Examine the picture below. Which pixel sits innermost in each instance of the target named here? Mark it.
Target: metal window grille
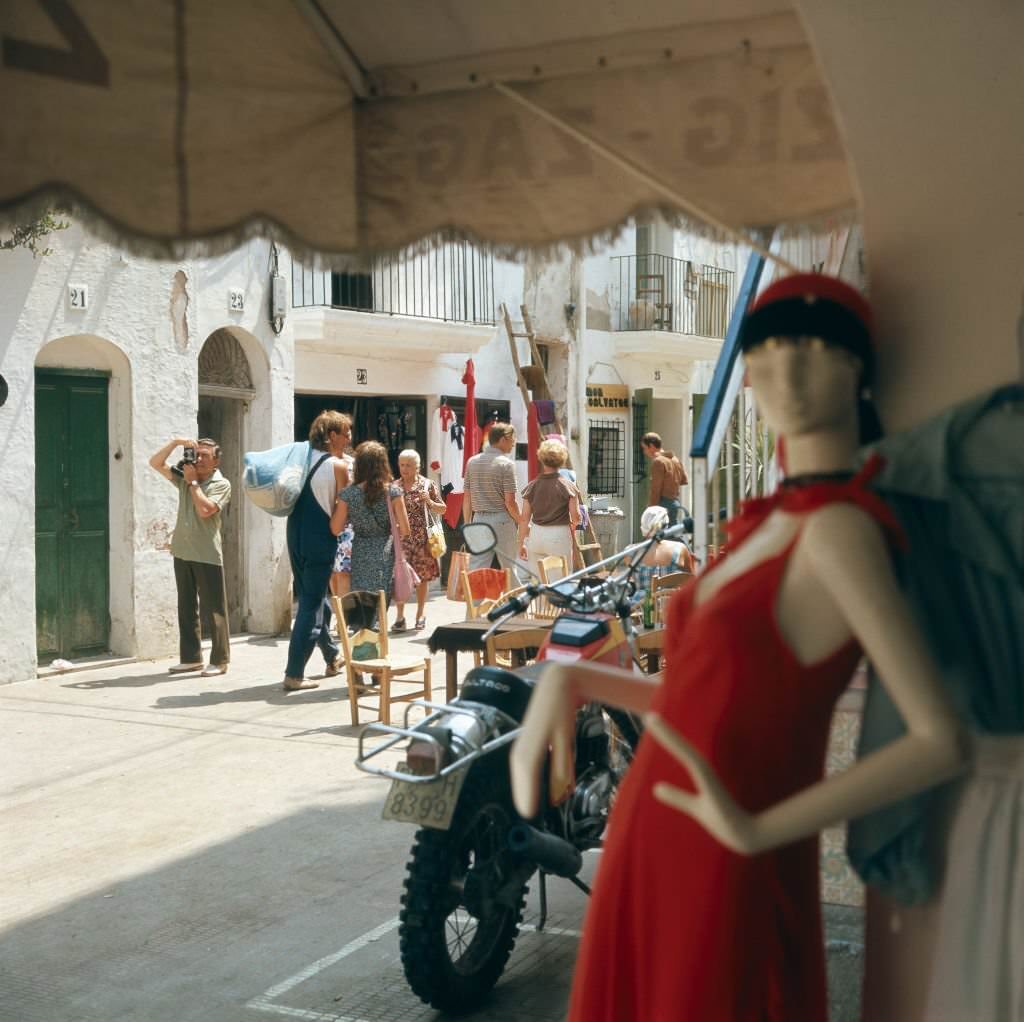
(606, 457)
(640, 427)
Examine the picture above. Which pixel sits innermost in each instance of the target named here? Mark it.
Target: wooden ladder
(541, 391)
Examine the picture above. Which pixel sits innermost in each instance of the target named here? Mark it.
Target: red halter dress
(679, 927)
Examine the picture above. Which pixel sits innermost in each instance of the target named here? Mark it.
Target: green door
(642, 400)
(72, 527)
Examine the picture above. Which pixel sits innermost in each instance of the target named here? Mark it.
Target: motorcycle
(466, 881)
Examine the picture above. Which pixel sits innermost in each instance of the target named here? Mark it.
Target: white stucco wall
(146, 323)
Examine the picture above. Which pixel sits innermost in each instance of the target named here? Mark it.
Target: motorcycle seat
(508, 691)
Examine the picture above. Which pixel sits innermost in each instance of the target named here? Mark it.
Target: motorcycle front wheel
(462, 904)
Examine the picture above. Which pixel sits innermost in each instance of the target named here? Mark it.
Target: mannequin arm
(550, 719)
(845, 550)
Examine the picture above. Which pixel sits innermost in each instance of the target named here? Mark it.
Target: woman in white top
(663, 557)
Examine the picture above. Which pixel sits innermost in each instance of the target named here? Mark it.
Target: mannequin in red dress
(705, 906)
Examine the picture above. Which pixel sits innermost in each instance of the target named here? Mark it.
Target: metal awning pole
(624, 163)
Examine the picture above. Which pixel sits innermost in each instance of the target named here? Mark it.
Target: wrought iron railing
(452, 282)
(656, 292)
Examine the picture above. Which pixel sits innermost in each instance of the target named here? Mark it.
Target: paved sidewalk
(179, 848)
(171, 838)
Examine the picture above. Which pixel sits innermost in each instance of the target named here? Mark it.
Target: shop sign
(607, 397)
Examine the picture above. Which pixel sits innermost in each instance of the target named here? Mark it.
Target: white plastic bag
(273, 479)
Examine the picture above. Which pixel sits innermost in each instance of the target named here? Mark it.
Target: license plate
(427, 804)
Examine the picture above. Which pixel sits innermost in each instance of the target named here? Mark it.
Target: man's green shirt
(195, 538)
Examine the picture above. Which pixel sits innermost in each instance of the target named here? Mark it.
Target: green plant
(33, 235)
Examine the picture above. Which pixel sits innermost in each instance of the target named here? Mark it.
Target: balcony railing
(656, 292)
(453, 282)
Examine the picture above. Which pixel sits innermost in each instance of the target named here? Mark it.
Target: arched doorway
(225, 392)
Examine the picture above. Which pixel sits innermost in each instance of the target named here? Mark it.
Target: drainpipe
(574, 386)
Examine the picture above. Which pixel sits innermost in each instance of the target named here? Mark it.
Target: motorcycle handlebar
(516, 605)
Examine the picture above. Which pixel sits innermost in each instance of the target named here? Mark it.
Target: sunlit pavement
(180, 848)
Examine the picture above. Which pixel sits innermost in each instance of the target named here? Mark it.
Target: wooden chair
(661, 590)
(507, 642)
(550, 569)
(385, 667)
(649, 646)
(475, 609)
(547, 566)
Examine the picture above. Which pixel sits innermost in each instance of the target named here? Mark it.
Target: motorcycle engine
(586, 811)
(588, 807)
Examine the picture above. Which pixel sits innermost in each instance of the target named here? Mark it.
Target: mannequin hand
(549, 723)
(711, 806)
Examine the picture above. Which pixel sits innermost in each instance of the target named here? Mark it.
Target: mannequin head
(809, 357)
(805, 385)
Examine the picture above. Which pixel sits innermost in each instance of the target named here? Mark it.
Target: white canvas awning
(365, 127)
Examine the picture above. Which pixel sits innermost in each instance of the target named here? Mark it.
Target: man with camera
(196, 547)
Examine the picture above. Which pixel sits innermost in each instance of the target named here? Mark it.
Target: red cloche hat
(813, 305)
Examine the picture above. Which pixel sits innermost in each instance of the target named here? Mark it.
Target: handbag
(405, 578)
(435, 533)
(458, 561)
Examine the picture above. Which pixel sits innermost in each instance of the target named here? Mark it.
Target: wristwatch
(195, 482)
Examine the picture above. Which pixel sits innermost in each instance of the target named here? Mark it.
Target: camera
(188, 458)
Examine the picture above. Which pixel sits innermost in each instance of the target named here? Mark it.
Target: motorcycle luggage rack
(472, 752)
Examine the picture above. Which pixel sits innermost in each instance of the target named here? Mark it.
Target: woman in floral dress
(420, 494)
(364, 504)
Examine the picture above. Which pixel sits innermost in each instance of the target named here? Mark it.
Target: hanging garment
(956, 484)
(450, 439)
(545, 411)
(393, 427)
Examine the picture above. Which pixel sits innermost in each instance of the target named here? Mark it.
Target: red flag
(533, 441)
(470, 443)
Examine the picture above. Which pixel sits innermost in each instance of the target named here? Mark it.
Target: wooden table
(468, 637)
